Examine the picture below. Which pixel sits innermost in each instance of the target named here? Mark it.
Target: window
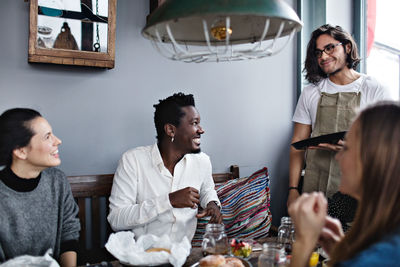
(383, 44)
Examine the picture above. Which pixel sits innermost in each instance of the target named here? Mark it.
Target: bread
(234, 262)
(212, 261)
(158, 250)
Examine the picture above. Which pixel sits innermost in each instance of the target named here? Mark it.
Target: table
(196, 255)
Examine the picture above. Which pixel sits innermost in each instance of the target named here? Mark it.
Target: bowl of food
(241, 247)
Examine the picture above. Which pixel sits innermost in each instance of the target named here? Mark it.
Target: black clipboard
(332, 138)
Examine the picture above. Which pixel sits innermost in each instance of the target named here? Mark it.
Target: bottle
(215, 240)
(286, 234)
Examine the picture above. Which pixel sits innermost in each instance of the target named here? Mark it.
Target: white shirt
(306, 110)
(140, 193)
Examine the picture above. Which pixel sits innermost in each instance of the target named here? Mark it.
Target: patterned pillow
(245, 207)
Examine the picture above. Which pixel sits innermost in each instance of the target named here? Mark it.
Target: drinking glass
(215, 240)
(273, 255)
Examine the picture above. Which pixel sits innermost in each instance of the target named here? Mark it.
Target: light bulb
(219, 30)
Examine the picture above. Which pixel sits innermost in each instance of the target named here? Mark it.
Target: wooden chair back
(91, 192)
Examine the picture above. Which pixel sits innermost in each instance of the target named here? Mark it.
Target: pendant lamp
(221, 30)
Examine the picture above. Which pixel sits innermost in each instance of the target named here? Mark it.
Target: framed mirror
(73, 32)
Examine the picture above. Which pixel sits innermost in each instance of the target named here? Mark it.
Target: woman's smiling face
(42, 150)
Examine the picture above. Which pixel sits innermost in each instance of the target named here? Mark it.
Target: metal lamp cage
(181, 31)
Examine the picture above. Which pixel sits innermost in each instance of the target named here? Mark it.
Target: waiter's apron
(335, 113)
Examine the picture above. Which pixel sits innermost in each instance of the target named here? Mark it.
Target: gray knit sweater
(32, 222)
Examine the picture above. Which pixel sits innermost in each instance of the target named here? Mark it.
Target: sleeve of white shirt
(380, 91)
(125, 212)
(302, 112)
(207, 190)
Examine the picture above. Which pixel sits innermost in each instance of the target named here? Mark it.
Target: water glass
(273, 255)
(286, 234)
(215, 240)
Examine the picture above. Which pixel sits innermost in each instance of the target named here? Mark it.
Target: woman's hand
(308, 213)
(331, 234)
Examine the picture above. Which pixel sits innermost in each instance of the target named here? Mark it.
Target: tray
(332, 138)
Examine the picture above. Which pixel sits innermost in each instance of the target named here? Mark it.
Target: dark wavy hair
(169, 110)
(378, 133)
(15, 131)
(314, 73)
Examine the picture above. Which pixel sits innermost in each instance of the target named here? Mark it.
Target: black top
(10, 179)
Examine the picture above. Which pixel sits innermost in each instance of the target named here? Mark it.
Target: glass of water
(273, 255)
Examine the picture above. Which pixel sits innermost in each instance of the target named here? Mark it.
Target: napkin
(32, 261)
(123, 246)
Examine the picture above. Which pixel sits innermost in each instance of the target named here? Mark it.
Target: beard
(335, 71)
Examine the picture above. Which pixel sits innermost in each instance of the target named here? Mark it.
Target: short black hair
(15, 131)
(169, 110)
(314, 73)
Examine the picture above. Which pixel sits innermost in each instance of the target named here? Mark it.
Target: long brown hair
(314, 73)
(378, 132)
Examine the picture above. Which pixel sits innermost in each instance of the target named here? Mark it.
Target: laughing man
(157, 189)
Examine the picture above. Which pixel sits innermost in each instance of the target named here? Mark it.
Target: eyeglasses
(328, 50)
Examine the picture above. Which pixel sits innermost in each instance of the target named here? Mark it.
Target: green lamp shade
(185, 19)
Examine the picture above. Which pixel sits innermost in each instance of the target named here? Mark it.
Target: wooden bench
(91, 192)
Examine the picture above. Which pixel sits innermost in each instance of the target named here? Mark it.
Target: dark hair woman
(370, 166)
(37, 209)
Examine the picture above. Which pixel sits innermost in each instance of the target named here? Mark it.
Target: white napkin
(123, 246)
(32, 261)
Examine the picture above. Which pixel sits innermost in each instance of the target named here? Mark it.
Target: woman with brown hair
(37, 209)
(370, 165)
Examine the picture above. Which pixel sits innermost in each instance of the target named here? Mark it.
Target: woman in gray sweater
(37, 209)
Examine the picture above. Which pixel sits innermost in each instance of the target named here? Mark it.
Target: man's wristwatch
(293, 187)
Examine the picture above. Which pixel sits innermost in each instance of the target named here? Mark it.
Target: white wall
(246, 107)
(340, 12)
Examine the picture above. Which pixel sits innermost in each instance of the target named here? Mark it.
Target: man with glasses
(326, 106)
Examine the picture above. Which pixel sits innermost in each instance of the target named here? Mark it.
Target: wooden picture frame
(53, 55)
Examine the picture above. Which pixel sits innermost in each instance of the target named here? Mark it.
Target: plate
(332, 138)
(245, 262)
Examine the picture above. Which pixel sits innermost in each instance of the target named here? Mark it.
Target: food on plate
(220, 261)
(233, 262)
(158, 250)
(212, 261)
(241, 248)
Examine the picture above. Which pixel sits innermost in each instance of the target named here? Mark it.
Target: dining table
(196, 254)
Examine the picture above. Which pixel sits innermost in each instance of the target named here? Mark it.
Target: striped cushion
(245, 207)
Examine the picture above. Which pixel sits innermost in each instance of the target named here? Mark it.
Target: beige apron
(334, 114)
